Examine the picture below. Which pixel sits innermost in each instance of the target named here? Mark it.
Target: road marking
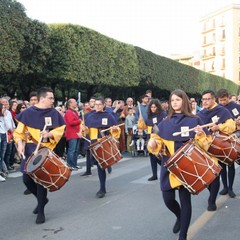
(205, 217)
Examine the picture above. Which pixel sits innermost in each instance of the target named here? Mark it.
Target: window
(223, 34)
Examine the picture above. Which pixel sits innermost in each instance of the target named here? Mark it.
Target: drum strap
(30, 137)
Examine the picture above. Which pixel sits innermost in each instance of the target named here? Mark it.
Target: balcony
(208, 56)
(208, 29)
(208, 43)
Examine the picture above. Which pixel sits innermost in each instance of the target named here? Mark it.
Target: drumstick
(86, 139)
(39, 142)
(104, 130)
(192, 129)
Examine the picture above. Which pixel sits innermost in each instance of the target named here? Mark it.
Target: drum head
(36, 160)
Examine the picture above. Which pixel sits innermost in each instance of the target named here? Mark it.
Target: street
(132, 209)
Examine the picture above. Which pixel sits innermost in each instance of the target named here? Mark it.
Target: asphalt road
(133, 209)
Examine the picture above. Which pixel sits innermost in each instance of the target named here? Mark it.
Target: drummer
(213, 112)
(155, 115)
(179, 118)
(32, 122)
(94, 123)
(234, 108)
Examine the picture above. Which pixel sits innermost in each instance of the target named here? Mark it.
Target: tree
(12, 24)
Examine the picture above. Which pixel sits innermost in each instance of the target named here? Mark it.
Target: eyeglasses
(205, 99)
(23, 107)
(100, 104)
(50, 98)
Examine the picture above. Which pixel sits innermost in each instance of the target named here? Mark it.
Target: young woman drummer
(95, 122)
(155, 115)
(179, 118)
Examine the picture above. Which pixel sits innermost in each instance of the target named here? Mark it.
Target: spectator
(5, 124)
(72, 130)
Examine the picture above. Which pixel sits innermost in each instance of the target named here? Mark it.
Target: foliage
(71, 58)
(169, 74)
(12, 24)
(89, 57)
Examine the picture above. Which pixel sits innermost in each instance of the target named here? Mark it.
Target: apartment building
(220, 50)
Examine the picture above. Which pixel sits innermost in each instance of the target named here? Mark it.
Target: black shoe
(212, 207)
(40, 218)
(86, 174)
(27, 192)
(153, 178)
(100, 194)
(177, 226)
(224, 191)
(35, 211)
(231, 194)
(109, 169)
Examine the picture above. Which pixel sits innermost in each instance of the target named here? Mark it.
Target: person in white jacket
(5, 125)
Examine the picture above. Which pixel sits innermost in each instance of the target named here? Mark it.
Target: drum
(193, 167)
(105, 151)
(47, 169)
(225, 147)
(237, 133)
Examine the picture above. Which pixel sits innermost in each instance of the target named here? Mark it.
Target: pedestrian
(179, 116)
(213, 112)
(96, 121)
(5, 125)
(155, 115)
(41, 121)
(228, 172)
(73, 122)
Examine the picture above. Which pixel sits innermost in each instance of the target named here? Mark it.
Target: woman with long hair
(155, 115)
(179, 118)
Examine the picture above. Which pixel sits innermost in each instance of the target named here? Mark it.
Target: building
(220, 50)
(189, 60)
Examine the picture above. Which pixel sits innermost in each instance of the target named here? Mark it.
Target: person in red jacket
(73, 122)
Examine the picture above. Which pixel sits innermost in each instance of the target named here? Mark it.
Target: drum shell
(52, 172)
(225, 147)
(105, 151)
(193, 167)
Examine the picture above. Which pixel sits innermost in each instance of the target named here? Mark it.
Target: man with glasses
(129, 105)
(212, 112)
(39, 122)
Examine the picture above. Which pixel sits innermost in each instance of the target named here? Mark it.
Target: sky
(164, 27)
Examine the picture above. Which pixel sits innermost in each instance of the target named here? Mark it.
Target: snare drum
(225, 147)
(105, 151)
(193, 167)
(47, 169)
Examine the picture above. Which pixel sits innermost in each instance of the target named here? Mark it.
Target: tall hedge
(168, 74)
(82, 55)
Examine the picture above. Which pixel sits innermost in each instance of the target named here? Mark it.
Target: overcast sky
(164, 27)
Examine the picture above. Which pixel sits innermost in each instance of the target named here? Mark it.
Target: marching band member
(179, 118)
(155, 115)
(95, 122)
(212, 112)
(33, 120)
(234, 109)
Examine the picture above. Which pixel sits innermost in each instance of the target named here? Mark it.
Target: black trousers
(182, 211)
(37, 190)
